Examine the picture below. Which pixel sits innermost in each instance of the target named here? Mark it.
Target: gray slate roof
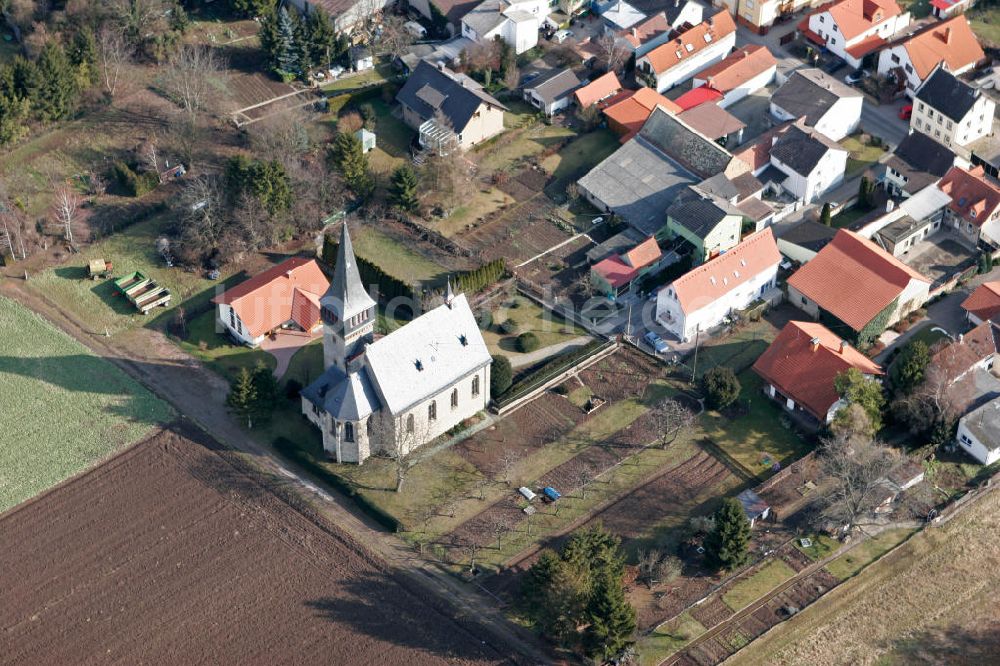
(694, 151)
(485, 17)
(802, 149)
(921, 160)
(555, 87)
(809, 234)
(810, 93)
(430, 88)
(945, 93)
(700, 212)
(346, 397)
(346, 296)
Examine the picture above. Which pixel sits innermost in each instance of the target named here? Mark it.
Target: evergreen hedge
(475, 280)
(389, 287)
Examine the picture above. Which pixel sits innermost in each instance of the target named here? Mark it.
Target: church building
(401, 391)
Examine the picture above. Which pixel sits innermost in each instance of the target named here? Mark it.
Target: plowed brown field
(171, 553)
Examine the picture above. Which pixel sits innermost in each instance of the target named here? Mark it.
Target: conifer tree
(612, 619)
(286, 52)
(58, 90)
(726, 545)
(266, 389)
(352, 162)
(403, 189)
(825, 215)
(242, 398)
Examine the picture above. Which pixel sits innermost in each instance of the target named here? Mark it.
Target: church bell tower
(348, 312)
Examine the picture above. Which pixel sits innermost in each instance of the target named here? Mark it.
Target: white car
(336, 71)
(656, 342)
(561, 36)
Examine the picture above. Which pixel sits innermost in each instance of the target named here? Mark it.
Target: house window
(833, 40)
(822, 19)
(909, 68)
(454, 398)
(475, 386)
(965, 439)
(409, 423)
(232, 318)
(895, 59)
(432, 411)
(920, 106)
(803, 299)
(348, 432)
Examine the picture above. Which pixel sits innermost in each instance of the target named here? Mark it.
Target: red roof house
(975, 202)
(802, 363)
(598, 90)
(859, 284)
(285, 295)
(742, 72)
(617, 272)
(627, 116)
(697, 97)
(983, 303)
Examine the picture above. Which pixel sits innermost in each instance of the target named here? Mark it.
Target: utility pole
(694, 365)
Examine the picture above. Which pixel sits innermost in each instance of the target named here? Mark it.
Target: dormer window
(419, 365)
(463, 340)
(689, 47)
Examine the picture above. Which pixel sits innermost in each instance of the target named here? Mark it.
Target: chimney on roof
(947, 35)
(890, 205)
(635, 31)
(961, 338)
(843, 346)
(440, 65)
(814, 344)
(677, 3)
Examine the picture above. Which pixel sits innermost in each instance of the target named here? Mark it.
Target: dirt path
(199, 394)
(541, 354)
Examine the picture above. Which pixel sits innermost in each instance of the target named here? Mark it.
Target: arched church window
(348, 432)
(475, 386)
(454, 398)
(432, 410)
(409, 423)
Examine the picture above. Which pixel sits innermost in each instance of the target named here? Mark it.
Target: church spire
(449, 294)
(346, 296)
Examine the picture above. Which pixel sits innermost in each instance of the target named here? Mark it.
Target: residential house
(975, 205)
(906, 225)
(917, 162)
(699, 300)
(471, 115)
(597, 91)
(628, 113)
(972, 351)
(743, 72)
(979, 433)
(710, 225)
(640, 179)
(857, 288)
(804, 241)
(853, 29)
(284, 297)
(618, 15)
(552, 93)
(744, 192)
(716, 123)
(618, 273)
(953, 112)
(394, 394)
(826, 103)
(688, 53)
(943, 9)
(449, 13)
(645, 36)
(516, 22)
(801, 365)
(345, 14)
(912, 59)
(761, 15)
(983, 304)
(811, 164)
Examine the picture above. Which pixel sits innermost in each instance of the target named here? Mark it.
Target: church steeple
(347, 310)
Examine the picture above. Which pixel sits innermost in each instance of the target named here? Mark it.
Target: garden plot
(63, 407)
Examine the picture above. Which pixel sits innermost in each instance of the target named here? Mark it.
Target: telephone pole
(694, 365)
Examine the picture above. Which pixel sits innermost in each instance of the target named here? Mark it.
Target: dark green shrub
(527, 342)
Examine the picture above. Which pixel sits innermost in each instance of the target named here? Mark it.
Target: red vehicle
(906, 112)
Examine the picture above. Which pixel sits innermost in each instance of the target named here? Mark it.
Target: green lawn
(668, 638)
(867, 552)
(861, 155)
(394, 257)
(392, 138)
(215, 350)
(518, 142)
(927, 335)
(98, 305)
(985, 22)
(550, 329)
(580, 156)
(63, 407)
(738, 350)
(747, 591)
(382, 72)
(822, 545)
(759, 438)
(477, 205)
(848, 216)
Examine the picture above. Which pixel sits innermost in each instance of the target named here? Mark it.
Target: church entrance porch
(282, 344)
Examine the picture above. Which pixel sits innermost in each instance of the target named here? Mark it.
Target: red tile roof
(599, 89)
(711, 281)
(697, 97)
(620, 270)
(805, 371)
(855, 17)
(651, 28)
(738, 67)
(853, 279)
(973, 197)
(984, 302)
(715, 28)
(631, 112)
(758, 153)
(866, 46)
(951, 41)
(289, 291)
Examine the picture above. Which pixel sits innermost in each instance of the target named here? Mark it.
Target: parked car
(854, 78)
(528, 78)
(656, 342)
(418, 31)
(561, 36)
(336, 71)
(906, 112)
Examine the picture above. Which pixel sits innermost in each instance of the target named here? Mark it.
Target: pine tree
(352, 162)
(58, 91)
(403, 189)
(266, 389)
(726, 545)
(14, 109)
(321, 38)
(825, 216)
(269, 37)
(286, 52)
(82, 55)
(242, 398)
(612, 619)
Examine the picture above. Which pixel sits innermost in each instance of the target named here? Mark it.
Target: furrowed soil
(931, 601)
(172, 553)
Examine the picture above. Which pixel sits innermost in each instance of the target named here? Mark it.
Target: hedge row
(389, 287)
(289, 450)
(548, 371)
(135, 184)
(471, 282)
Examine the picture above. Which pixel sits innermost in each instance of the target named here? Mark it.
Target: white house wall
(827, 174)
(239, 331)
(688, 67)
(747, 88)
(971, 444)
(977, 123)
(822, 24)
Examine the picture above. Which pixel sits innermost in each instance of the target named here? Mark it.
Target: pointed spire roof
(346, 296)
(449, 295)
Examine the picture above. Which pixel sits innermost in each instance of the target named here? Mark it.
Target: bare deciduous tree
(584, 477)
(193, 78)
(855, 467)
(114, 54)
(395, 39)
(149, 154)
(670, 418)
(67, 202)
(499, 525)
(507, 462)
(611, 52)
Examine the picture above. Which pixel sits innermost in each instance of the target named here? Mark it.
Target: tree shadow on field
(950, 645)
(378, 606)
(86, 374)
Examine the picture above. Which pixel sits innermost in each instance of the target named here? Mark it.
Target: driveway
(883, 121)
(284, 346)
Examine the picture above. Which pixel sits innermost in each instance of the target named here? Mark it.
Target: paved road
(199, 395)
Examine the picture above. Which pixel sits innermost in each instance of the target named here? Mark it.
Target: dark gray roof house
(801, 149)
(700, 212)
(919, 161)
(553, 92)
(810, 93)
(943, 92)
(430, 89)
(696, 152)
